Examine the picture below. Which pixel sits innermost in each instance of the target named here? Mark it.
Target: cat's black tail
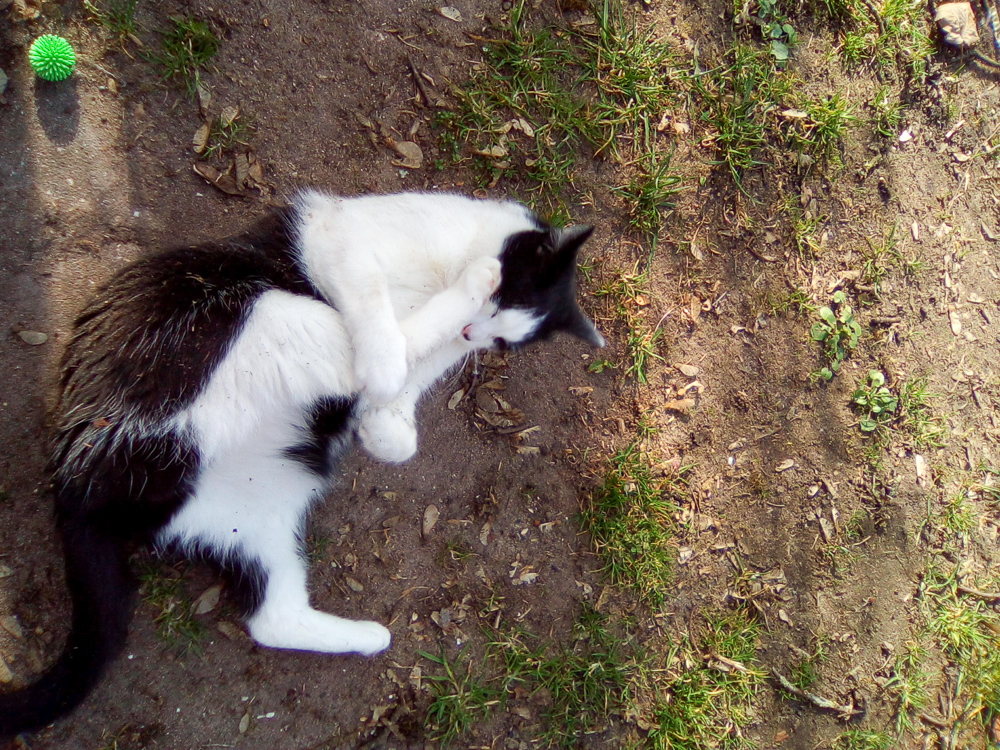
(101, 589)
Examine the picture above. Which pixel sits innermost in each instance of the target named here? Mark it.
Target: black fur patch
(329, 423)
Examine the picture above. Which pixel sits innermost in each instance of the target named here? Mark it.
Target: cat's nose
(466, 331)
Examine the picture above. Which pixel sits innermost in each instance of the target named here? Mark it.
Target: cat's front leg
(380, 361)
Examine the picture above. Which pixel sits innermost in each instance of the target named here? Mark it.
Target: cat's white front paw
(381, 375)
(387, 435)
(482, 278)
(370, 637)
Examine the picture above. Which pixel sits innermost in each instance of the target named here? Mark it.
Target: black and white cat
(207, 392)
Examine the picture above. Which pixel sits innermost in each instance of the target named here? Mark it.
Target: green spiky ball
(52, 57)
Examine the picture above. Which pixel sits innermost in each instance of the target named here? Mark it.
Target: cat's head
(537, 292)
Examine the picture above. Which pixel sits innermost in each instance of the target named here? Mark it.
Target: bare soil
(96, 170)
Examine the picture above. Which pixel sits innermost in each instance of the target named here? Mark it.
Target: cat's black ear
(583, 328)
(570, 239)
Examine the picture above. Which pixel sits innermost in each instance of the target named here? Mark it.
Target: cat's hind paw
(482, 278)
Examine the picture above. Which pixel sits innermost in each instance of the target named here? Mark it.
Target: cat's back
(155, 331)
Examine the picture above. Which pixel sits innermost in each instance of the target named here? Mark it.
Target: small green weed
(864, 739)
(774, 25)
(629, 520)
(839, 333)
(819, 133)
(227, 132)
(175, 622)
(460, 697)
(600, 365)
(887, 111)
(875, 402)
(806, 672)
(916, 414)
(909, 684)
(188, 46)
(626, 289)
(117, 16)
(650, 194)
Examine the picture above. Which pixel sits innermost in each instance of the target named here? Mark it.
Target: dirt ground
(96, 170)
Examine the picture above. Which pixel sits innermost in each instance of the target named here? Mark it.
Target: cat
(207, 391)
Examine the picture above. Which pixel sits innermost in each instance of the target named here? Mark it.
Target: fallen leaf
(200, 140)
(689, 371)
(456, 397)
(681, 405)
(33, 338)
(11, 625)
(783, 616)
(228, 116)
(6, 676)
(208, 601)
(785, 465)
(204, 98)
(222, 180)
(494, 152)
(354, 584)
(484, 534)
(413, 157)
(245, 723)
(431, 515)
(580, 390)
(956, 322)
(452, 14)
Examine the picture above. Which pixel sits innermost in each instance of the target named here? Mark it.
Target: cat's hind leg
(247, 510)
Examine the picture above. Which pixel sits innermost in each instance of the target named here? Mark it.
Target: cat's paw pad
(387, 435)
(381, 375)
(482, 278)
(370, 638)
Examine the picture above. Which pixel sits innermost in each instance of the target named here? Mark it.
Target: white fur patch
(512, 325)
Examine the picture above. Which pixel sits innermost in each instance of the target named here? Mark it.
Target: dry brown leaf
(412, 156)
(451, 13)
(431, 516)
(208, 601)
(456, 398)
(228, 116)
(681, 405)
(785, 465)
(222, 180)
(200, 140)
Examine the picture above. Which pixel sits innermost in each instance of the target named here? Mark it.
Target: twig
(845, 711)
(419, 82)
(988, 595)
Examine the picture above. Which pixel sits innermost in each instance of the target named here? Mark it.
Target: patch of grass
(839, 334)
(740, 100)
(187, 48)
(629, 520)
(909, 685)
(585, 683)
(864, 739)
(166, 593)
(900, 35)
(806, 672)
(887, 111)
(627, 290)
(542, 92)
(227, 132)
(795, 301)
(460, 697)
(707, 705)
(916, 414)
(117, 16)
(650, 194)
(819, 133)
(964, 626)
